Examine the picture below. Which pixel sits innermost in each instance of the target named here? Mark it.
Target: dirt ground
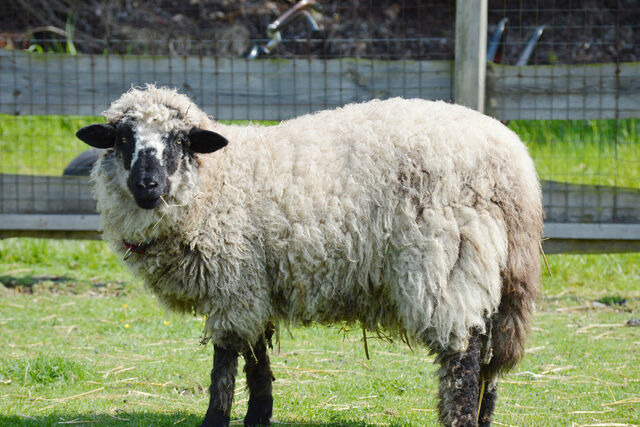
(585, 31)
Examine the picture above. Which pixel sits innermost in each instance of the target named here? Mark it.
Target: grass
(82, 341)
(599, 152)
(40, 145)
(602, 152)
(44, 145)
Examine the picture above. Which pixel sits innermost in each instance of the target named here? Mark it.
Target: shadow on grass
(118, 419)
(144, 419)
(60, 284)
(26, 283)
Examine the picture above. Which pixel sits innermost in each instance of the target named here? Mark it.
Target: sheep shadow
(147, 419)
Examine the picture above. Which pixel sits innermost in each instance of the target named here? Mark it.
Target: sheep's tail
(510, 326)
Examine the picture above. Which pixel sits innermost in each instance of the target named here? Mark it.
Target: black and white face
(150, 157)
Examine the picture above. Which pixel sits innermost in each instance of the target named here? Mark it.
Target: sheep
(423, 218)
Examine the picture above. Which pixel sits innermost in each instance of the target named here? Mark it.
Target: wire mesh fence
(575, 101)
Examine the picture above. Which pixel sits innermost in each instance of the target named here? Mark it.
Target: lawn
(602, 152)
(83, 342)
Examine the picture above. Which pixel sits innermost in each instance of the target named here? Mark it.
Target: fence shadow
(147, 419)
(26, 283)
(58, 284)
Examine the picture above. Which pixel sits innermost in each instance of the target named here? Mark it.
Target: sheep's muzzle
(147, 180)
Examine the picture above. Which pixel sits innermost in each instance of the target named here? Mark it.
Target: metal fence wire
(575, 104)
(573, 98)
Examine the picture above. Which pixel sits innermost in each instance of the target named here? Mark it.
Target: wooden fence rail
(277, 89)
(563, 92)
(228, 88)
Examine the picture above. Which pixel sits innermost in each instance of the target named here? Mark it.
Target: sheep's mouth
(148, 202)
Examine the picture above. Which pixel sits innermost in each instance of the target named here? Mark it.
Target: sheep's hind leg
(259, 382)
(489, 398)
(223, 379)
(459, 385)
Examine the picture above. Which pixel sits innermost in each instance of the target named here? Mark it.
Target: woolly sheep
(420, 217)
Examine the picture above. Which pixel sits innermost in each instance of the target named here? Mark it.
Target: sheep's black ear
(98, 135)
(206, 141)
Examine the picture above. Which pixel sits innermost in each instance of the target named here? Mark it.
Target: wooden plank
(590, 238)
(228, 88)
(274, 89)
(559, 238)
(557, 230)
(470, 53)
(52, 234)
(589, 246)
(563, 92)
(50, 222)
(33, 194)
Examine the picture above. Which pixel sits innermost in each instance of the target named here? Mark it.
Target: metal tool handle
(289, 16)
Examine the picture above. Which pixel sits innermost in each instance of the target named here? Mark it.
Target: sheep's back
(389, 212)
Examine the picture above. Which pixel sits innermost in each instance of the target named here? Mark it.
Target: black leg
(223, 378)
(459, 387)
(259, 382)
(488, 403)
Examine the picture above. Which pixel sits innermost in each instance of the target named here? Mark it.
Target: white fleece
(392, 213)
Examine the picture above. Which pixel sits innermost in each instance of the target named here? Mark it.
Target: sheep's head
(151, 139)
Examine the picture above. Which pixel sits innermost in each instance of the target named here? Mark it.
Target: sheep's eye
(123, 140)
(178, 140)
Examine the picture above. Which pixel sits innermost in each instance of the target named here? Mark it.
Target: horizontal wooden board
(276, 89)
(54, 226)
(559, 238)
(563, 92)
(51, 234)
(590, 238)
(227, 88)
(566, 231)
(589, 246)
(51, 222)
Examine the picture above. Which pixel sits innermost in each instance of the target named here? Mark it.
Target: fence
(578, 118)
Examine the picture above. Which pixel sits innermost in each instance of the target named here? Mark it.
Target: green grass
(599, 152)
(603, 152)
(40, 145)
(44, 145)
(81, 340)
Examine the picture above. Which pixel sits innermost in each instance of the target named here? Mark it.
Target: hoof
(215, 420)
(257, 422)
(259, 413)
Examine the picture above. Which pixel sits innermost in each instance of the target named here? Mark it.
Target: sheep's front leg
(459, 385)
(223, 379)
(259, 382)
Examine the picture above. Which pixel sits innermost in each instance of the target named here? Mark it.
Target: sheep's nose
(147, 184)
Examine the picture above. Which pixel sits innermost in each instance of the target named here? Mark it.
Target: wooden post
(471, 53)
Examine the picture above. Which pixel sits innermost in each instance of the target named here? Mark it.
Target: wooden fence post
(470, 53)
